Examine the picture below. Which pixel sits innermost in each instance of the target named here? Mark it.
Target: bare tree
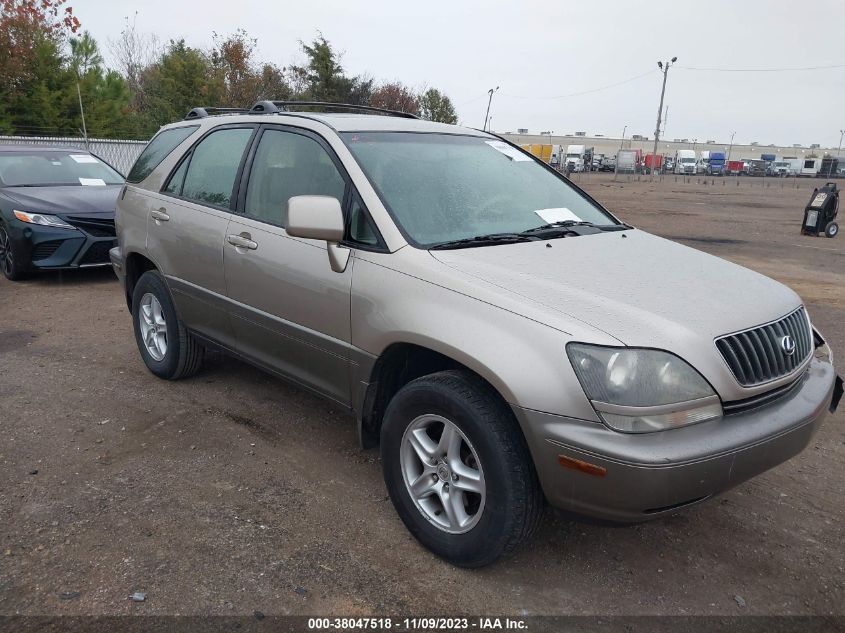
(133, 52)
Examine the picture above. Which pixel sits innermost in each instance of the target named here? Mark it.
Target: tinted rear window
(157, 150)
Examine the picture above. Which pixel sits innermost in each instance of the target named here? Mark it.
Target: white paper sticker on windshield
(84, 158)
(561, 214)
(511, 152)
(92, 182)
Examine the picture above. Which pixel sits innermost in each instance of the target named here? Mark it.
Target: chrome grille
(756, 356)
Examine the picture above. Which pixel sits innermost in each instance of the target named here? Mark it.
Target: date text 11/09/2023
(418, 624)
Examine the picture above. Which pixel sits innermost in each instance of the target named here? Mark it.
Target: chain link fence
(120, 154)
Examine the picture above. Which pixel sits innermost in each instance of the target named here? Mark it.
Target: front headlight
(43, 219)
(643, 390)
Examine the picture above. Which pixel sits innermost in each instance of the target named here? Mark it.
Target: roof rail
(272, 107)
(201, 113)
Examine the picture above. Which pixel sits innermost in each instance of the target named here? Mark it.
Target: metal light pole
(82, 112)
(838, 154)
(489, 101)
(665, 68)
(622, 142)
(731, 146)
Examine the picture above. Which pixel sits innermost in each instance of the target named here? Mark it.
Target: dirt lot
(233, 491)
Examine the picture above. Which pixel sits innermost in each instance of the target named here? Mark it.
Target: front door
(290, 311)
(187, 229)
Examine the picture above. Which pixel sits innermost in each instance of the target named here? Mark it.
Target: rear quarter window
(157, 150)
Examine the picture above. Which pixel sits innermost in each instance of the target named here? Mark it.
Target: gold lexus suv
(503, 338)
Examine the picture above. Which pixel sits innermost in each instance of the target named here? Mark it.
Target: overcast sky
(539, 50)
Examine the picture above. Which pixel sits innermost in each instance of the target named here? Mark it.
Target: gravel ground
(233, 491)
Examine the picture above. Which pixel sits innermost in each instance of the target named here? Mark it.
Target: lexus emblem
(787, 344)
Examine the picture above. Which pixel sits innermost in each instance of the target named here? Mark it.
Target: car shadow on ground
(76, 276)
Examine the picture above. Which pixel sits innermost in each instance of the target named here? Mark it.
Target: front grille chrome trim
(96, 227)
(764, 399)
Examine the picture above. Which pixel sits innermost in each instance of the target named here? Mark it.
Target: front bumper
(650, 474)
(117, 264)
(50, 248)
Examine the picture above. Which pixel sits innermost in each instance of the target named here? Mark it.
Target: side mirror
(315, 218)
(319, 218)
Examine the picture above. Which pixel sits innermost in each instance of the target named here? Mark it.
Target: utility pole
(622, 142)
(489, 101)
(665, 69)
(730, 147)
(838, 154)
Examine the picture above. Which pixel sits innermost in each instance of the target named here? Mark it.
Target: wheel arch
(135, 264)
(401, 362)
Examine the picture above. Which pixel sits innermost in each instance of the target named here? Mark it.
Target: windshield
(443, 187)
(52, 168)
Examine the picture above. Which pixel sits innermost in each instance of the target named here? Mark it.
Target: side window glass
(174, 185)
(157, 150)
(360, 226)
(214, 166)
(287, 164)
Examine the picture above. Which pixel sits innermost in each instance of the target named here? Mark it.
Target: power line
(763, 70)
(583, 92)
(481, 96)
(572, 94)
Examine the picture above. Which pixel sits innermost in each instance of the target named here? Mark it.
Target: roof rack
(275, 107)
(201, 113)
(272, 107)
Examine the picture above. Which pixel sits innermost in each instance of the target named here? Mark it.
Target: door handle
(159, 215)
(242, 241)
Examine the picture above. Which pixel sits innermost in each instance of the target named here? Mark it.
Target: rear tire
(832, 229)
(167, 348)
(476, 502)
(11, 269)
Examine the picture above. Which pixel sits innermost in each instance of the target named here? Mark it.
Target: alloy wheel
(442, 473)
(153, 326)
(6, 259)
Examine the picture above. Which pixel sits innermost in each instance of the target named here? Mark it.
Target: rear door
(187, 228)
(290, 311)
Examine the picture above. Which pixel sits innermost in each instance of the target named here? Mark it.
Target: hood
(641, 289)
(75, 200)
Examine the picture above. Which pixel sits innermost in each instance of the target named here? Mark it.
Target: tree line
(51, 71)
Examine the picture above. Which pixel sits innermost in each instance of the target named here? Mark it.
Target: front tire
(832, 229)
(11, 269)
(167, 348)
(458, 470)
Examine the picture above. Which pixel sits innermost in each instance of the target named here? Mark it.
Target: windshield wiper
(565, 224)
(483, 240)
